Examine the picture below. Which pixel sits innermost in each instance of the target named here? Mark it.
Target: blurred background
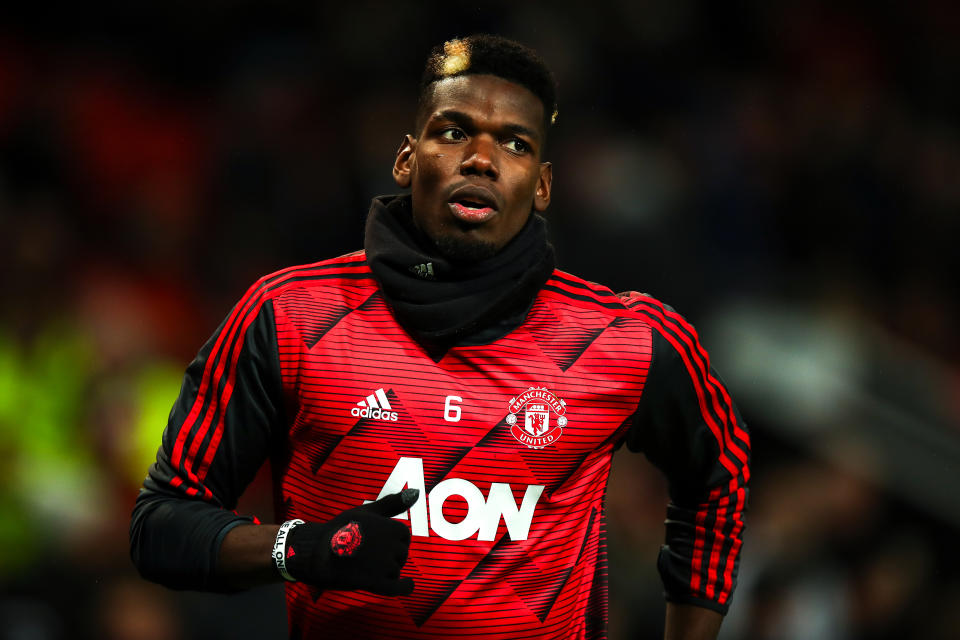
(786, 174)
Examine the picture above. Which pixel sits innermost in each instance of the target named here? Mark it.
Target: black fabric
(669, 428)
(175, 541)
(441, 302)
(370, 560)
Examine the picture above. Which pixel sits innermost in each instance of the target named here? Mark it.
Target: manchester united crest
(346, 540)
(542, 419)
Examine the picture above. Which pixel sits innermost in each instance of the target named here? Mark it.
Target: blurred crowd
(785, 174)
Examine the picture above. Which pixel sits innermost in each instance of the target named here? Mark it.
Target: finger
(393, 504)
(401, 587)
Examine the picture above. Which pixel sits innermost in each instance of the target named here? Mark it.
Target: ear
(404, 164)
(541, 199)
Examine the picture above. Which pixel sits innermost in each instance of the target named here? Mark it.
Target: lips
(473, 204)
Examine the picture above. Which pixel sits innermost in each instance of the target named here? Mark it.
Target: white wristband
(280, 548)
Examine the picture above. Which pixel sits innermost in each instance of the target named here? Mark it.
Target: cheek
(525, 188)
(429, 170)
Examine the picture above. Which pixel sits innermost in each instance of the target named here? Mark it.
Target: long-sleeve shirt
(510, 442)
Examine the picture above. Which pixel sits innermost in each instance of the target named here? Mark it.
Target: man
(441, 409)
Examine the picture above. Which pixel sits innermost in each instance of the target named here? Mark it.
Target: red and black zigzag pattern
(406, 438)
(584, 292)
(507, 562)
(582, 342)
(552, 473)
(595, 616)
(562, 343)
(199, 436)
(312, 314)
(719, 522)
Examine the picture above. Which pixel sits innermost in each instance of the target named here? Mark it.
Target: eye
(452, 133)
(517, 145)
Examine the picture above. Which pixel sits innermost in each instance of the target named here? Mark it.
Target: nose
(479, 158)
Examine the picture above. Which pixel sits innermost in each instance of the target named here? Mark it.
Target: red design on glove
(346, 540)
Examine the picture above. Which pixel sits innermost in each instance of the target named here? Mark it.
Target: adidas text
(375, 406)
(374, 414)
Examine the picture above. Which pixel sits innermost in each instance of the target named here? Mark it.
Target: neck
(439, 300)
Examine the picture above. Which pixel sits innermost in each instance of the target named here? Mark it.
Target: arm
(227, 418)
(689, 622)
(361, 548)
(688, 426)
(246, 556)
(223, 424)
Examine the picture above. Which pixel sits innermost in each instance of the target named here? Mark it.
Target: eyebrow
(465, 120)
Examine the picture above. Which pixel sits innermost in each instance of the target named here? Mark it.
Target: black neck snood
(440, 302)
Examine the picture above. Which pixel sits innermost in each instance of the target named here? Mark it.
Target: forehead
(488, 97)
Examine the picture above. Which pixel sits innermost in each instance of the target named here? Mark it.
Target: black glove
(362, 548)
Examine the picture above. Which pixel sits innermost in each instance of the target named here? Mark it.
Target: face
(474, 169)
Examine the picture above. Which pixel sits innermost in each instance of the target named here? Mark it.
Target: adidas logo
(424, 270)
(375, 406)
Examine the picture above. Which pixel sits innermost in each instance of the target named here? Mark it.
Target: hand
(361, 549)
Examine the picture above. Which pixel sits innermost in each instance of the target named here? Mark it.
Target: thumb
(393, 504)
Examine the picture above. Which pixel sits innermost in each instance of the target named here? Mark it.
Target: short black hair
(494, 55)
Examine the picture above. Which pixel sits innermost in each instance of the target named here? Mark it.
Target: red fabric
(339, 344)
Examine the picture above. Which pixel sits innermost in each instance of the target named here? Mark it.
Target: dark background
(786, 174)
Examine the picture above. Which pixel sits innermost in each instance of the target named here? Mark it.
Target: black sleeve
(688, 426)
(219, 433)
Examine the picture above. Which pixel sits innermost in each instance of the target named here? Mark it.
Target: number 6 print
(451, 412)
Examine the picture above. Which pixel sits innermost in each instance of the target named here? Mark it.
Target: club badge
(346, 540)
(536, 429)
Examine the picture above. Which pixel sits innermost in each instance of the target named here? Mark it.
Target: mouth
(473, 204)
